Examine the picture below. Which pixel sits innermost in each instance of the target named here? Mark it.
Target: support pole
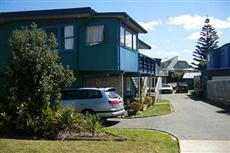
(139, 86)
(122, 85)
(150, 85)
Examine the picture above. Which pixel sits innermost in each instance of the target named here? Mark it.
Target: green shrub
(135, 107)
(34, 79)
(69, 121)
(148, 101)
(92, 124)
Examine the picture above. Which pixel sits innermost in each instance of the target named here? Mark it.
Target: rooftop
(70, 13)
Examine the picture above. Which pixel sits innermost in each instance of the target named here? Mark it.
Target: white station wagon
(104, 102)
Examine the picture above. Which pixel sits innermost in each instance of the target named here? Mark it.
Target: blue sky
(173, 25)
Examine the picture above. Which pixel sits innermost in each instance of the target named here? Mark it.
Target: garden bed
(145, 141)
(161, 107)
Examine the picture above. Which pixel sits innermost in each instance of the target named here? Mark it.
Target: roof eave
(143, 45)
(126, 19)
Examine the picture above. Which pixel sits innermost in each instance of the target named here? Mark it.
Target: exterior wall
(93, 58)
(99, 57)
(104, 81)
(218, 91)
(219, 58)
(128, 60)
(5, 34)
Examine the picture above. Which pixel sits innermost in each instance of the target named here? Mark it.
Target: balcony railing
(146, 64)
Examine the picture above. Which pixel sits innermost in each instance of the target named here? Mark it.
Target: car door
(72, 98)
(92, 99)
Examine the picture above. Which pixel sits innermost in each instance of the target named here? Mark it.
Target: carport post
(122, 85)
(139, 86)
(150, 85)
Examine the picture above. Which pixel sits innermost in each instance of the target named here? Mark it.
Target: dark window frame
(61, 39)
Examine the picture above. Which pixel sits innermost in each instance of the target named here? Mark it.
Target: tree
(175, 76)
(34, 79)
(207, 42)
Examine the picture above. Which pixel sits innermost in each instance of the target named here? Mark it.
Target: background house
(101, 48)
(174, 64)
(218, 85)
(177, 68)
(188, 78)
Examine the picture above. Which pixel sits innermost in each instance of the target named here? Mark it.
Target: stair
(135, 81)
(144, 84)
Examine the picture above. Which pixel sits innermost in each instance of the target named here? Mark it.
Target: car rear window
(112, 94)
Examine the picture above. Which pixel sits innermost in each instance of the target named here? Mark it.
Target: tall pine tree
(207, 42)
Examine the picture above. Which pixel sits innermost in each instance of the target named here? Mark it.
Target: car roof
(101, 89)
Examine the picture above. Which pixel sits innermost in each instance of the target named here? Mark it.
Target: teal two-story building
(101, 48)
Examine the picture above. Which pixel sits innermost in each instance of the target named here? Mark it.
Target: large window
(95, 34)
(128, 39)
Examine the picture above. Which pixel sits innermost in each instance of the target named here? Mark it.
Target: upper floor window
(128, 39)
(134, 42)
(122, 36)
(64, 36)
(95, 34)
(68, 37)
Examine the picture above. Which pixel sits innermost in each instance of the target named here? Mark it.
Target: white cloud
(190, 22)
(193, 36)
(196, 35)
(150, 25)
(228, 19)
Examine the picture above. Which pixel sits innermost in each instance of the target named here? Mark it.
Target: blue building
(219, 62)
(218, 85)
(101, 48)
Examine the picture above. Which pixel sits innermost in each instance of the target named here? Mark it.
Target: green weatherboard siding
(103, 56)
(5, 34)
(100, 57)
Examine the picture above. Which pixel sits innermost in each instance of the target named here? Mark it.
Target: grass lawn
(161, 107)
(145, 141)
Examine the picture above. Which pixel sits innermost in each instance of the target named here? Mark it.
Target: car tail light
(114, 102)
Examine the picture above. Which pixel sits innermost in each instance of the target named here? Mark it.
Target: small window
(122, 36)
(71, 95)
(95, 34)
(128, 39)
(90, 94)
(68, 37)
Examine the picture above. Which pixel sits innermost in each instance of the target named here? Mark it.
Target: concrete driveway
(191, 120)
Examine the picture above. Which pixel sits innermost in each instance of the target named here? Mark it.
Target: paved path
(192, 120)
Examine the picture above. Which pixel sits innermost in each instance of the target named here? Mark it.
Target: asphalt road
(191, 120)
